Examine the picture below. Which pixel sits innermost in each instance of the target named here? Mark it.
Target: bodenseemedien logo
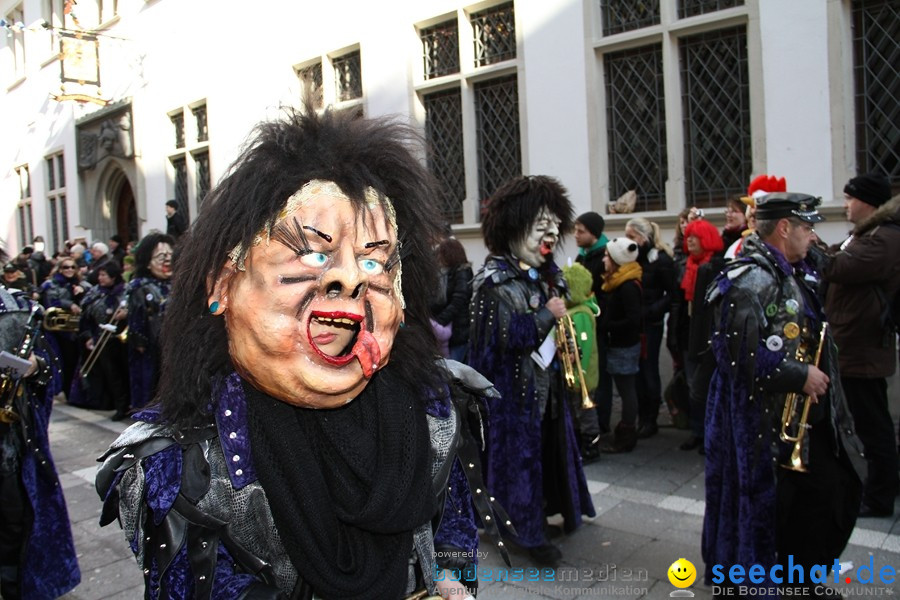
(682, 575)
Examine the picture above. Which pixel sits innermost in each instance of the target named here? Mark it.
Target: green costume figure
(582, 307)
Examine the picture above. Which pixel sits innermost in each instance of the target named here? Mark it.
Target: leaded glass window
(716, 113)
(178, 123)
(201, 164)
(497, 124)
(626, 15)
(179, 165)
(636, 125)
(56, 199)
(495, 34)
(200, 119)
(63, 218)
(876, 70)
(348, 76)
(54, 224)
(690, 8)
(51, 174)
(440, 49)
(311, 82)
(444, 138)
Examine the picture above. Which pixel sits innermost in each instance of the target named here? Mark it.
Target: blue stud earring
(214, 307)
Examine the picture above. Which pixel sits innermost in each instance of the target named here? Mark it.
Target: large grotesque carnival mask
(539, 241)
(312, 308)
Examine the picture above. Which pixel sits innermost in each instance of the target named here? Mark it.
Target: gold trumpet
(567, 347)
(108, 330)
(795, 416)
(60, 319)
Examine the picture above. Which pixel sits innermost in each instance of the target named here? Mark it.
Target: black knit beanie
(871, 188)
(593, 222)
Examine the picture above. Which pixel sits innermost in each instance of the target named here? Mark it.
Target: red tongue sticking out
(546, 249)
(367, 351)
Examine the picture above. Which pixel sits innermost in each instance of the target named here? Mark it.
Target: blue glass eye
(314, 259)
(371, 266)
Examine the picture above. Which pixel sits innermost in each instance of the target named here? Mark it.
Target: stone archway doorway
(126, 213)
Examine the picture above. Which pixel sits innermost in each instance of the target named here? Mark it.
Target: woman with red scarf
(702, 242)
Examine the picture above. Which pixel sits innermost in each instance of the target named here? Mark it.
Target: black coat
(658, 284)
(619, 323)
(593, 262)
(176, 224)
(455, 307)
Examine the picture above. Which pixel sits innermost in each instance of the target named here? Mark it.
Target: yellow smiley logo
(682, 573)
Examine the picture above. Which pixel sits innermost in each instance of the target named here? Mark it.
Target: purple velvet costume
(526, 453)
(758, 299)
(49, 567)
(146, 307)
(159, 482)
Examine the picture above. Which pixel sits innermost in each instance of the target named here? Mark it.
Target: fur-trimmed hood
(886, 213)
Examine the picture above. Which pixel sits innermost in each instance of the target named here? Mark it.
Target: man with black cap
(591, 247)
(14, 279)
(863, 276)
(768, 327)
(176, 224)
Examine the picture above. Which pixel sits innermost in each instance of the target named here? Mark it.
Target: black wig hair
(511, 210)
(278, 159)
(143, 254)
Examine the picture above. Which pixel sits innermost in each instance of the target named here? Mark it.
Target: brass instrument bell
(60, 319)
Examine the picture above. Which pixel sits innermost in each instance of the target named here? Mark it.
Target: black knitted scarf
(346, 486)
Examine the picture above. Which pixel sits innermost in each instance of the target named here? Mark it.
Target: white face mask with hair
(538, 243)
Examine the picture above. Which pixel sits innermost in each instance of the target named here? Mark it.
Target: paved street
(649, 505)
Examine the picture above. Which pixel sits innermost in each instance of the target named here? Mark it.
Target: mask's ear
(218, 289)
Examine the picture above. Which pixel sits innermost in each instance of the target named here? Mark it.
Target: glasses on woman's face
(161, 257)
(67, 268)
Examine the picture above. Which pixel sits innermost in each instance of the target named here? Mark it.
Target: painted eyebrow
(322, 235)
(376, 244)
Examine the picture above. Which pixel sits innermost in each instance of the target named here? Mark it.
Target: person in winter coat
(620, 325)
(863, 276)
(658, 287)
(701, 242)
(452, 311)
(591, 243)
(581, 306)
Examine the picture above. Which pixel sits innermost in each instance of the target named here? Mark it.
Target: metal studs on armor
(239, 472)
(227, 412)
(235, 458)
(232, 435)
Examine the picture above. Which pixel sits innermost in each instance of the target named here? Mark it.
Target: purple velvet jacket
(49, 566)
(758, 298)
(144, 468)
(146, 306)
(508, 322)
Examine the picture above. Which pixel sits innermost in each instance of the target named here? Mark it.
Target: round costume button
(774, 343)
(771, 310)
(791, 330)
(792, 306)
(533, 274)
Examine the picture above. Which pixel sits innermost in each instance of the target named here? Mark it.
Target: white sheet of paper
(19, 366)
(543, 356)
